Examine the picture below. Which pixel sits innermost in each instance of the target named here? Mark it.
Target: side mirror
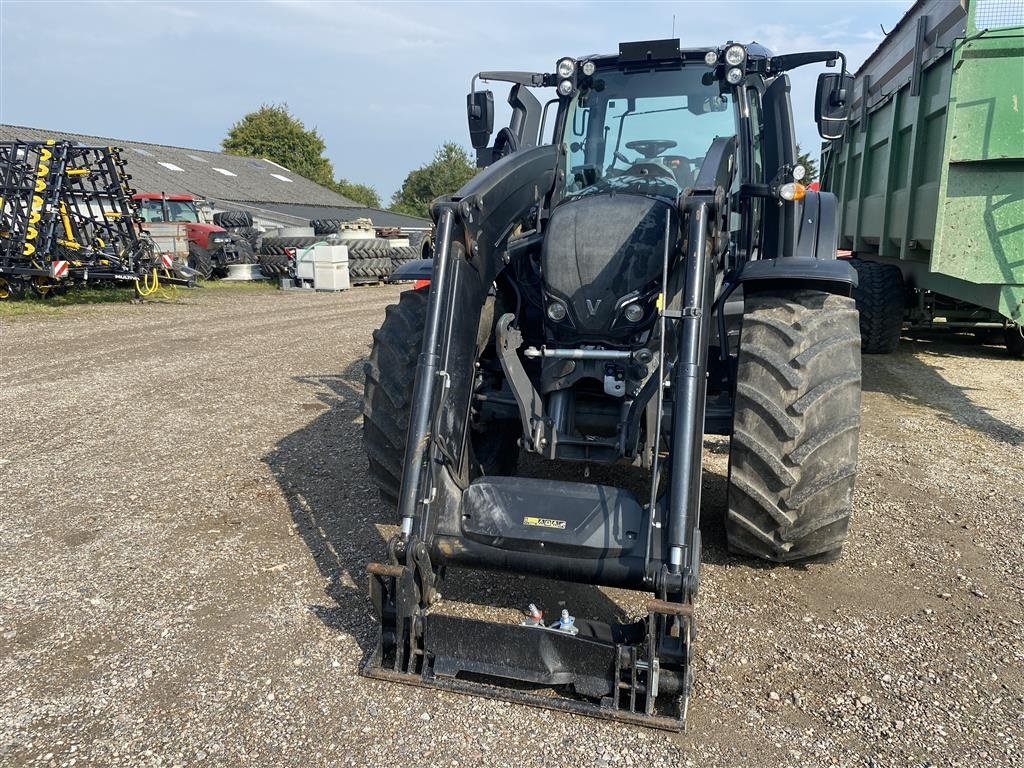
(480, 111)
(832, 104)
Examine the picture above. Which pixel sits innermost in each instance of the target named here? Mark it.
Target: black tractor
(637, 265)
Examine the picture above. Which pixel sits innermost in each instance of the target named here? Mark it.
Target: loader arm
(637, 672)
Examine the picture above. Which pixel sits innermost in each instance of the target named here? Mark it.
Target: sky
(383, 82)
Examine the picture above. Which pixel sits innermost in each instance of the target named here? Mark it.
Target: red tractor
(177, 225)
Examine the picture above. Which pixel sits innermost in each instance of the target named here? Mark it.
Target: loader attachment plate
(636, 673)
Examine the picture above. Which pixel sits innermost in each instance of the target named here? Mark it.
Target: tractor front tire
(390, 373)
(200, 260)
(796, 424)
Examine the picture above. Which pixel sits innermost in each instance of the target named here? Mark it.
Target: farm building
(273, 194)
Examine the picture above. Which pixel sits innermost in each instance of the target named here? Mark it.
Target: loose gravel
(186, 522)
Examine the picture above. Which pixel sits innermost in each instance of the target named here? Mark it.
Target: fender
(417, 269)
(818, 233)
(814, 262)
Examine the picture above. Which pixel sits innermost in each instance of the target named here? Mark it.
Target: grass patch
(238, 286)
(33, 305)
(36, 305)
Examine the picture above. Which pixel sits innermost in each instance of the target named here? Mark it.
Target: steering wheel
(505, 143)
(650, 148)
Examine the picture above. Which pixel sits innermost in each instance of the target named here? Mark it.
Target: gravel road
(186, 522)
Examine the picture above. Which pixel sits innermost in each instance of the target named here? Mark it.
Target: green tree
(809, 163)
(361, 193)
(274, 133)
(449, 170)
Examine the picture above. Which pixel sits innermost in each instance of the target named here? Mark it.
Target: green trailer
(930, 174)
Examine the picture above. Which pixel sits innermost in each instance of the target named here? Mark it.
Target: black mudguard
(818, 234)
(832, 275)
(813, 263)
(417, 269)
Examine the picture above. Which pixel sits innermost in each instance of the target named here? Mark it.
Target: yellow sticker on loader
(544, 522)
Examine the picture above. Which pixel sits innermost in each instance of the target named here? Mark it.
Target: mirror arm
(788, 61)
(530, 79)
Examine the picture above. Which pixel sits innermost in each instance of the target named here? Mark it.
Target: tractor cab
(158, 207)
(178, 226)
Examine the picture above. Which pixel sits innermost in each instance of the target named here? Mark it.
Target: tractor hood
(207, 235)
(601, 253)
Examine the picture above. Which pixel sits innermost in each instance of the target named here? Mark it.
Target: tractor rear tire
(390, 373)
(421, 241)
(880, 301)
(796, 423)
(243, 250)
(200, 260)
(400, 255)
(228, 219)
(325, 226)
(272, 264)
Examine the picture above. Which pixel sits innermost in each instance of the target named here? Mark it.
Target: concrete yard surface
(187, 519)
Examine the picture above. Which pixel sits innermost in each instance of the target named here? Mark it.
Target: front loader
(636, 266)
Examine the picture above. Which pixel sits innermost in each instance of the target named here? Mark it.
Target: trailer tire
(1014, 341)
(390, 374)
(200, 260)
(880, 301)
(796, 423)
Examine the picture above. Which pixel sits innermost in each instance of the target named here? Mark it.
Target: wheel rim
(42, 285)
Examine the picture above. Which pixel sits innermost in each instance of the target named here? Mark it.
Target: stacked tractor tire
(371, 259)
(67, 217)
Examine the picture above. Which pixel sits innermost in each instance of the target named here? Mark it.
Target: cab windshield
(177, 210)
(645, 132)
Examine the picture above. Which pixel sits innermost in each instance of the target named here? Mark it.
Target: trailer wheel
(200, 260)
(390, 373)
(793, 453)
(880, 301)
(1014, 340)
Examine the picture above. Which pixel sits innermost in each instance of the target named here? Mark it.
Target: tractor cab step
(581, 520)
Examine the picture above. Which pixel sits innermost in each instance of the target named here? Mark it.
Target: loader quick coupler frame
(638, 672)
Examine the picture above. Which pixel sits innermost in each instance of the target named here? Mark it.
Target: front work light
(735, 55)
(564, 87)
(588, 68)
(711, 58)
(565, 68)
(734, 76)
